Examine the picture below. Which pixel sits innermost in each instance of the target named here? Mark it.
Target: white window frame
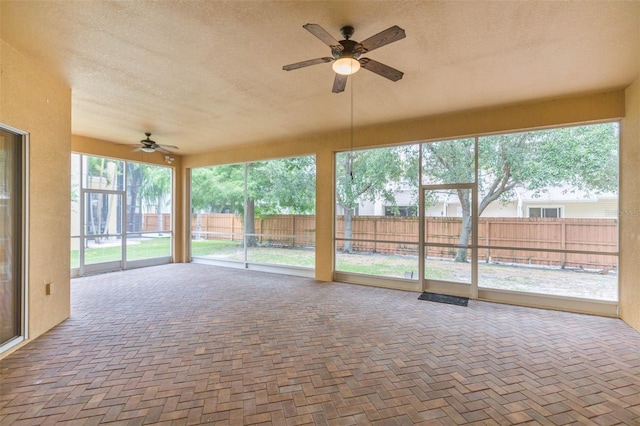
(559, 209)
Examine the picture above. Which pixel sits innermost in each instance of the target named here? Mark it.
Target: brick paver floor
(195, 344)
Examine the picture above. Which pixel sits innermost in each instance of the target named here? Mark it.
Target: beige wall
(630, 209)
(35, 102)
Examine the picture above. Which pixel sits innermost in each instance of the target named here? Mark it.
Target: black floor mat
(443, 298)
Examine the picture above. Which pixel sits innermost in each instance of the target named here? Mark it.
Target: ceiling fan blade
(306, 63)
(161, 149)
(383, 38)
(168, 146)
(138, 149)
(381, 69)
(323, 35)
(339, 83)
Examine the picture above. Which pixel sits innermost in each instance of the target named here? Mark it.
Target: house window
(400, 211)
(545, 212)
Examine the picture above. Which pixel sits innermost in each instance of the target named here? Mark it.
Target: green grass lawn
(372, 264)
(216, 248)
(137, 249)
(233, 250)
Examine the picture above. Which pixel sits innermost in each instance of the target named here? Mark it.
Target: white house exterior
(554, 202)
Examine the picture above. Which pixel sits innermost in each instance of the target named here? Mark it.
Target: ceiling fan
(346, 54)
(147, 145)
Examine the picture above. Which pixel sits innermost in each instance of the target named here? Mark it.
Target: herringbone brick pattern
(192, 344)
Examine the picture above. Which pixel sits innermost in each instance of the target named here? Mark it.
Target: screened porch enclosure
(530, 215)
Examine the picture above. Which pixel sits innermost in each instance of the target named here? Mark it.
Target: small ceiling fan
(147, 145)
(346, 54)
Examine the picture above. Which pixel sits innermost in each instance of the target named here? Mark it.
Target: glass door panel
(148, 246)
(148, 212)
(447, 235)
(102, 227)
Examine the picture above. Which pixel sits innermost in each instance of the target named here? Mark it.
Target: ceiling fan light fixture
(346, 66)
(147, 149)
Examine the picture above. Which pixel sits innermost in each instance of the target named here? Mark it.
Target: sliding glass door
(121, 214)
(12, 294)
(102, 248)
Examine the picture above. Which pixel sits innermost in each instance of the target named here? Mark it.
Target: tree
(369, 175)
(134, 180)
(584, 157)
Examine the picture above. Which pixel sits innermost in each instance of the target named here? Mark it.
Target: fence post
(293, 230)
(487, 241)
(564, 243)
(375, 235)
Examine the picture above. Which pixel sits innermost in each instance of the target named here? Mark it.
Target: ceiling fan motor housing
(147, 141)
(350, 50)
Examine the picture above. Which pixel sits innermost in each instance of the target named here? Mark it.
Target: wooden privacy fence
(276, 230)
(593, 235)
(523, 237)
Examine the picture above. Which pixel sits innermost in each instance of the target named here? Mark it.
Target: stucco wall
(630, 209)
(35, 102)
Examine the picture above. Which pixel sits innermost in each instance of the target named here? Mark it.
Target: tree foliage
(214, 189)
(285, 186)
(154, 189)
(155, 185)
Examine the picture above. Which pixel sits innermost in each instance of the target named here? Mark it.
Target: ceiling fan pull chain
(351, 136)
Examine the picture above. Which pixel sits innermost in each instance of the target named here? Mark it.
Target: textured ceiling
(204, 75)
